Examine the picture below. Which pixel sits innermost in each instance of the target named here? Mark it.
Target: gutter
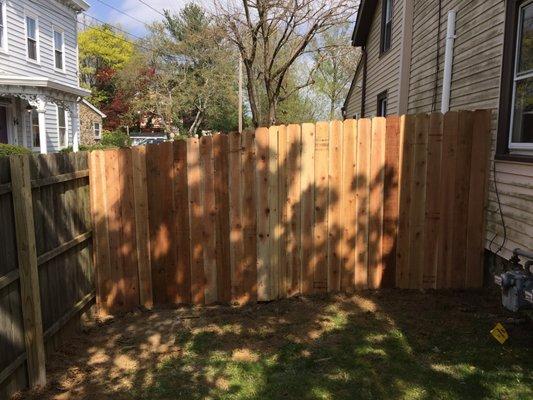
(364, 59)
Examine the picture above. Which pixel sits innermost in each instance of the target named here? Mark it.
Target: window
(35, 132)
(62, 130)
(386, 25)
(382, 104)
(515, 130)
(97, 128)
(3, 26)
(59, 47)
(522, 114)
(32, 32)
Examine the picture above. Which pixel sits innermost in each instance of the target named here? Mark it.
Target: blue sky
(133, 7)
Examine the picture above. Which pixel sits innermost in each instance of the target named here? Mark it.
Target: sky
(135, 8)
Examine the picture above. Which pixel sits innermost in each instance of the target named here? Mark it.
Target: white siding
(51, 125)
(50, 14)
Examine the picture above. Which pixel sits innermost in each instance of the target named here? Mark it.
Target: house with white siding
(39, 85)
(439, 55)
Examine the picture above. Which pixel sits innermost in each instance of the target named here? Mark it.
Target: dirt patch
(386, 344)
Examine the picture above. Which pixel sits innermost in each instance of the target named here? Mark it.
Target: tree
(194, 79)
(335, 63)
(271, 35)
(102, 52)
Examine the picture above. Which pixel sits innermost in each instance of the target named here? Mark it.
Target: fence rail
(46, 263)
(298, 209)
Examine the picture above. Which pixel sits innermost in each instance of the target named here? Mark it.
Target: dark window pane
(36, 138)
(32, 49)
(525, 62)
(59, 59)
(35, 118)
(523, 112)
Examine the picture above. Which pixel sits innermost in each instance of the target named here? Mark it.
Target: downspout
(363, 89)
(448, 63)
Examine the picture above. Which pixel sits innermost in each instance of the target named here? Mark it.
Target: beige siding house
(491, 67)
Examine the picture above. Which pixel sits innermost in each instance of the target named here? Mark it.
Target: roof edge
(366, 11)
(93, 107)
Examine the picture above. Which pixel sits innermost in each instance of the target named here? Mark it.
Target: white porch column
(75, 128)
(40, 107)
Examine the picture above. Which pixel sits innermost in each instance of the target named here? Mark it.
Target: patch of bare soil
(114, 358)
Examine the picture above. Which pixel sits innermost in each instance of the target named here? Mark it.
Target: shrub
(9, 150)
(115, 139)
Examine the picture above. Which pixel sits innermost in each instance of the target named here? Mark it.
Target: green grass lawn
(388, 345)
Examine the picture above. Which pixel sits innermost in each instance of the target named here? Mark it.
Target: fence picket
(235, 218)
(294, 238)
(307, 205)
(417, 212)
(320, 222)
(207, 196)
(481, 141)
(433, 191)
(249, 216)
(196, 215)
(334, 238)
(181, 211)
(221, 175)
(263, 243)
(390, 201)
(348, 204)
(362, 201)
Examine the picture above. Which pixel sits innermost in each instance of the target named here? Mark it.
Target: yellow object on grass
(499, 333)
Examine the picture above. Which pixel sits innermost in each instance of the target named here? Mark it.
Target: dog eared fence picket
(288, 210)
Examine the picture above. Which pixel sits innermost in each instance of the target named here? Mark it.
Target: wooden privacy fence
(298, 209)
(46, 265)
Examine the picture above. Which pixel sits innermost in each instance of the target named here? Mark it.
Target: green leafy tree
(193, 77)
(102, 52)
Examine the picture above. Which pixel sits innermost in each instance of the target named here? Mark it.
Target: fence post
(29, 276)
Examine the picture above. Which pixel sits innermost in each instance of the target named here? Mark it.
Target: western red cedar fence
(298, 209)
(287, 210)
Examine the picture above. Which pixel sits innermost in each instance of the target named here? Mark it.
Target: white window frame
(37, 37)
(32, 125)
(99, 136)
(3, 27)
(62, 32)
(516, 79)
(59, 128)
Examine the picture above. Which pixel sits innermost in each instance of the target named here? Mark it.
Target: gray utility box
(514, 285)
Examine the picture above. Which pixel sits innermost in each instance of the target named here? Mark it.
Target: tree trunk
(196, 124)
(272, 108)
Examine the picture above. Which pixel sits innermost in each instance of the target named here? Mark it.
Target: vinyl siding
(15, 61)
(353, 104)
(475, 84)
(383, 71)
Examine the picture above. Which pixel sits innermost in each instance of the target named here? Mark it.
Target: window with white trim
(59, 49)
(3, 26)
(97, 128)
(32, 38)
(62, 130)
(521, 135)
(35, 131)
